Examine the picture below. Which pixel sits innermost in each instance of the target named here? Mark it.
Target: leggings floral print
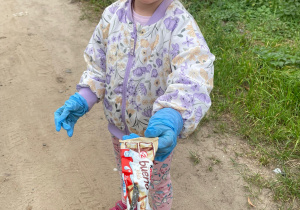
(161, 190)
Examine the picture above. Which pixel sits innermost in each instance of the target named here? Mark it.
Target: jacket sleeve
(191, 79)
(95, 57)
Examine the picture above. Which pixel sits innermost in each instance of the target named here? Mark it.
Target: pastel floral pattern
(140, 71)
(154, 73)
(172, 67)
(171, 23)
(143, 89)
(113, 9)
(175, 50)
(122, 15)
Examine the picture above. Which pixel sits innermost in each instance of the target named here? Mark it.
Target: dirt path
(41, 48)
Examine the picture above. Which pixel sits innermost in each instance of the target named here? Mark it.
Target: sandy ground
(41, 60)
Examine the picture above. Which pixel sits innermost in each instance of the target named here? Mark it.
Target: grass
(257, 78)
(195, 157)
(92, 9)
(257, 182)
(214, 161)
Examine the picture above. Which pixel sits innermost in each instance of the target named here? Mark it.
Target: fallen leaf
(250, 203)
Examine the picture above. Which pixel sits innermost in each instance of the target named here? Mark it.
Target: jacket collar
(157, 15)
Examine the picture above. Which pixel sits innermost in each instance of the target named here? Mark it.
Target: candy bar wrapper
(137, 156)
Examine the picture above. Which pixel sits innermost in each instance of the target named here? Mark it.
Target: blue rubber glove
(166, 124)
(67, 115)
(131, 136)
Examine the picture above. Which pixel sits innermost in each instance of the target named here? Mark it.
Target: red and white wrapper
(137, 157)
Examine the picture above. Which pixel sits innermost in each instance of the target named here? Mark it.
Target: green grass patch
(195, 157)
(92, 9)
(257, 77)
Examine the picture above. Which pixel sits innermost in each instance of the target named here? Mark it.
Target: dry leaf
(250, 203)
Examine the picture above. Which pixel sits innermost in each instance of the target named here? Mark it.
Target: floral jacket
(137, 70)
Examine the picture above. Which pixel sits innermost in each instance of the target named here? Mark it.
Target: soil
(41, 61)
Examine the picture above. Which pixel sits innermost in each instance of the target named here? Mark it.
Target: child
(150, 65)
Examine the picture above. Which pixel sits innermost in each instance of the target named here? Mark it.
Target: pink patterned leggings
(161, 190)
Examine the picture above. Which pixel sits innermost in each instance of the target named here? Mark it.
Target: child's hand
(67, 115)
(165, 124)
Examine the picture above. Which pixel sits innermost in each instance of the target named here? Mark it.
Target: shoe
(119, 206)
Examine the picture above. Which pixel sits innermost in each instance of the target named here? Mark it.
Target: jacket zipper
(131, 56)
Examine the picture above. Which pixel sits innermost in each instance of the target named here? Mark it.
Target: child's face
(148, 1)
(146, 7)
